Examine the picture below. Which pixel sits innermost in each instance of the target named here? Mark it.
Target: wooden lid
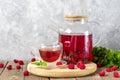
(75, 16)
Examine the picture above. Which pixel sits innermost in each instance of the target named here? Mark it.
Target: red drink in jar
(76, 47)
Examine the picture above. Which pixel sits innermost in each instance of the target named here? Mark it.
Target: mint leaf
(107, 57)
(43, 63)
(36, 63)
(39, 63)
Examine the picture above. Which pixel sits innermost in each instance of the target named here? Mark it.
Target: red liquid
(76, 47)
(49, 55)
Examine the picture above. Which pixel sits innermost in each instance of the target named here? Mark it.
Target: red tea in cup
(50, 52)
(49, 55)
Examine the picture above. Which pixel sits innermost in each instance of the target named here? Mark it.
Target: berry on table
(102, 73)
(81, 65)
(9, 67)
(108, 69)
(1, 65)
(18, 67)
(15, 61)
(71, 66)
(33, 59)
(25, 73)
(21, 62)
(80, 62)
(99, 65)
(116, 74)
(59, 63)
(114, 68)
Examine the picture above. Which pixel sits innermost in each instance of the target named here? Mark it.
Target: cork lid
(75, 16)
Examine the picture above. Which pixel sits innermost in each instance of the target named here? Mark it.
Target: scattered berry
(116, 74)
(114, 68)
(102, 73)
(80, 62)
(21, 62)
(9, 67)
(99, 65)
(108, 69)
(25, 73)
(81, 65)
(18, 67)
(1, 65)
(59, 63)
(15, 61)
(33, 59)
(71, 66)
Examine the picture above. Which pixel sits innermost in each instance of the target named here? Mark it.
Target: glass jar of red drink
(76, 37)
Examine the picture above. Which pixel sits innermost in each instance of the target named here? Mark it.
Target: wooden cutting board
(61, 72)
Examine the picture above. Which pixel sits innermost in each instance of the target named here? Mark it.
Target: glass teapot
(76, 38)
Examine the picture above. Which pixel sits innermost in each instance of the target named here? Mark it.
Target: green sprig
(39, 63)
(106, 57)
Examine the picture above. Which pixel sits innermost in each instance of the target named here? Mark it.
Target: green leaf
(110, 64)
(107, 57)
(39, 63)
(44, 64)
(36, 63)
(95, 59)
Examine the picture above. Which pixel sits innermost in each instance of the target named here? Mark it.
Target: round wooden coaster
(61, 72)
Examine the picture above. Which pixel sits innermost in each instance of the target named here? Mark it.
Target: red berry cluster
(80, 65)
(20, 63)
(18, 66)
(113, 68)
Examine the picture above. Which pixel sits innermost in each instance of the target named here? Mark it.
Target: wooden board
(61, 72)
(15, 74)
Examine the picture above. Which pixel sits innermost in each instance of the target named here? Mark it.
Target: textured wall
(24, 23)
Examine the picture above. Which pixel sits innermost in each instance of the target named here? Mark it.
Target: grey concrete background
(24, 23)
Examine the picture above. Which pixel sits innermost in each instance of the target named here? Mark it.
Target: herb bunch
(106, 57)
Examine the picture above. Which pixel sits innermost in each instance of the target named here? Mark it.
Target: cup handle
(33, 52)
